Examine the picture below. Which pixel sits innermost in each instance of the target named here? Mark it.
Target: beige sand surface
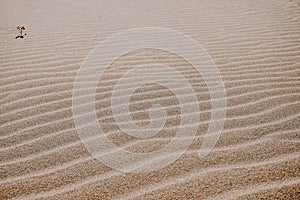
(255, 45)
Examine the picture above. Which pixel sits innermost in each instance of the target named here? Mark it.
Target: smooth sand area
(255, 45)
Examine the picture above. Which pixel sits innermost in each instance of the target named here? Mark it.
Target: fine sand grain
(255, 45)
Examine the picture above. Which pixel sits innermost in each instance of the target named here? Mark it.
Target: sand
(256, 47)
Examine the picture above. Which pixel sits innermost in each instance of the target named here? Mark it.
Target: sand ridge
(255, 46)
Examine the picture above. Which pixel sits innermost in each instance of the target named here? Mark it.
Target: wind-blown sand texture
(256, 46)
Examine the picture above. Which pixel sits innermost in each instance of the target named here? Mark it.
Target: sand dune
(254, 44)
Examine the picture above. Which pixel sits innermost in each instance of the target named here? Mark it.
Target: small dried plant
(20, 29)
